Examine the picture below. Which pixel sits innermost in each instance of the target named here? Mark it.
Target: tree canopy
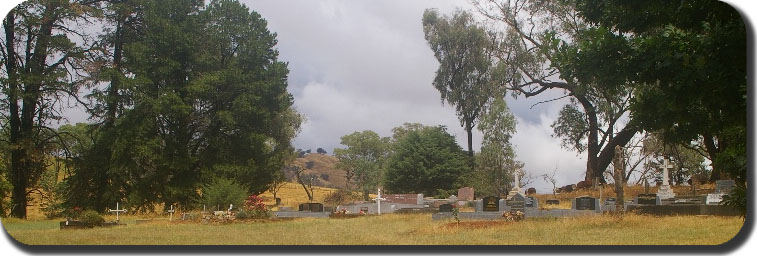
(425, 161)
(363, 159)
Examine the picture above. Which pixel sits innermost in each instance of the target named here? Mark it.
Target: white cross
(117, 211)
(170, 212)
(230, 206)
(378, 200)
(665, 165)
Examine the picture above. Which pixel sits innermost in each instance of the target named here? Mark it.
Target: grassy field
(395, 230)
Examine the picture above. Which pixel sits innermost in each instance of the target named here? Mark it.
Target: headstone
(611, 201)
(452, 199)
(402, 198)
(117, 211)
(445, 208)
(647, 199)
(170, 212)
(311, 207)
(724, 186)
(665, 192)
(646, 186)
(516, 203)
(552, 201)
(378, 200)
(585, 203)
(532, 202)
(620, 173)
(465, 194)
(490, 204)
(714, 199)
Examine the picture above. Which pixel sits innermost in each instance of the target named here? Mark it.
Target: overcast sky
(364, 65)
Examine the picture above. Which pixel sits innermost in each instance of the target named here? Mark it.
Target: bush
(253, 208)
(737, 199)
(91, 218)
(339, 197)
(222, 192)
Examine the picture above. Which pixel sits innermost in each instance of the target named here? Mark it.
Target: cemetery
(482, 122)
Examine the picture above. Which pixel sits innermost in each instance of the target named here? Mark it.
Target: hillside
(323, 166)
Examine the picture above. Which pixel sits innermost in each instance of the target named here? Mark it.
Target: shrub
(340, 196)
(91, 218)
(222, 192)
(737, 199)
(513, 216)
(254, 208)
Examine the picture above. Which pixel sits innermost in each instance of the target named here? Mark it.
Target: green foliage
(464, 53)
(425, 160)
(363, 159)
(738, 199)
(91, 217)
(222, 192)
(496, 164)
(207, 97)
(690, 58)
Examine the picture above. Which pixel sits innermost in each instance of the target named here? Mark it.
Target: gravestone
(611, 201)
(452, 199)
(647, 199)
(532, 202)
(553, 201)
(516, 203)
(117, 211)
(490, 203)
(465, 194)
(311, 207)
(445, 208)
(724, 186)
(665, 191)
(585, 203)
(714, 199)
(646, 187)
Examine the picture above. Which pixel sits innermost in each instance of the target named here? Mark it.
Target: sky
(364, 65)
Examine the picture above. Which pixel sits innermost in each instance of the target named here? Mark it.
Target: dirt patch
(475, 224)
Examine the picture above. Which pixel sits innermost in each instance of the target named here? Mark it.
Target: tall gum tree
(544, 45)
(464, 74)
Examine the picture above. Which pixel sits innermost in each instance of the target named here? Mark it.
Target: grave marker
(516, 203)
(490, 203)
(585, 203)
(465, 194)
(117, 211)
(724, 186)
(378, 200)
(445, 208)
(170, 213)
(665, 191)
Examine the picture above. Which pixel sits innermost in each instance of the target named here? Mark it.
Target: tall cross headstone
(170, 213)
(378, 200)
(117, 211)
(665, 191)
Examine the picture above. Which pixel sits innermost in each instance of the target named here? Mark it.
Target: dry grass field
(413, 229)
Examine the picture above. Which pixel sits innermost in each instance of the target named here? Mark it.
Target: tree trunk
(469, 130)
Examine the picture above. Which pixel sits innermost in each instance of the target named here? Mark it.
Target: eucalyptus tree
(496, 165)
(545, 46)
(363, 159)
(464, 76)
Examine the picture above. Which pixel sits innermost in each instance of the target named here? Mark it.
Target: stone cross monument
(665, 192)
(378, 200)
(117, 211)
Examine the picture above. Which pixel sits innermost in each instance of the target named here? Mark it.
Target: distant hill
(323, 166)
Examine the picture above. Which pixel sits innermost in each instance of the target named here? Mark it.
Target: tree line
(177, 93)
(671, 72)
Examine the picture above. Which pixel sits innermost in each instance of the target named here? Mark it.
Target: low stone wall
(684, 209)
(530, 213)
(301, 214)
